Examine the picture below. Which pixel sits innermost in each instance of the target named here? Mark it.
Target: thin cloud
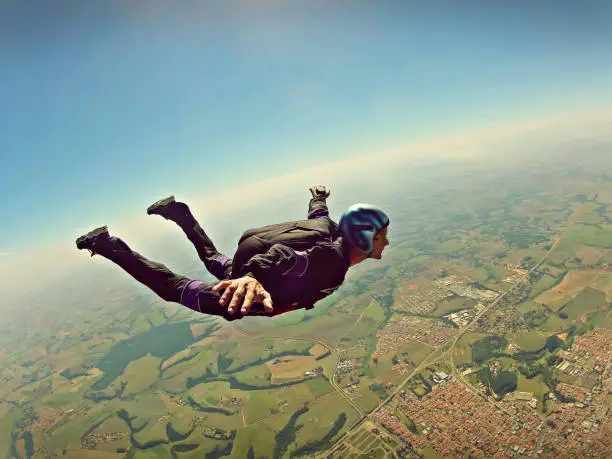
(257, 202)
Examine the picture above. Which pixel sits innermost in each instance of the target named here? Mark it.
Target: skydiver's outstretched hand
(244, 288)
(319, 191)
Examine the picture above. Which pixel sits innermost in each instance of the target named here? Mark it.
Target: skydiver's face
(379, 244)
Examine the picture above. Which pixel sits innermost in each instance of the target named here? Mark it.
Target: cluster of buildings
(577, 393)
(391, 422)
(421, 301)
(465, 316)
(406, 329)
(597, 343)
(92, 440)
(589, 356)
(527, 397)
(459, 288)
(502, 320)
(456, 422)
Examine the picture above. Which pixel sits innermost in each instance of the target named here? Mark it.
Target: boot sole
(152, 209)
(84, 241)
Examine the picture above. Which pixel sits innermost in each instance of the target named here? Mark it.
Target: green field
(599, 236)
(453, 304)
(375, 312)
(531, 341)
(319, 386)
(587, 301)
(543, 284)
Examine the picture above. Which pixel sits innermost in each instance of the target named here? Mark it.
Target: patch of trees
(535, 317)
(162, 341)
(184, 447)
(286, 436)
(71, 373)
(505, 382)
(218, 453)
(553, 343)
(502, 383)
(521, 239)
(379, 390)
(101, 396)
(28, 416)
(488, 347)
(173, 435)
(205, 409)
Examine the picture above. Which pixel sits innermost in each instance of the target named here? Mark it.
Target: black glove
(319, 192)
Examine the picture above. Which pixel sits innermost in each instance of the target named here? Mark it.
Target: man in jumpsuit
(276, 268)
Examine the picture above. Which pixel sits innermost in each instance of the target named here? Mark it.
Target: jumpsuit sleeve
(317, 208)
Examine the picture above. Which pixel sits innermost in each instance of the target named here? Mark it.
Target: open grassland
(543, 284)
(328, 328)
(589, 255)
(258, 437)
(326, 419)
(531, 341)
(218, 394)
(358, 333)
(534, 385)
(603, 283)
(555, 324)
(69, 432)
(410, 354)
(599, 236)
(364, 397)
(319, 386)
(318, 350)
(258, 376)
(261, 405)
(375, 312)
(585, 213)
(453, 304)
(462, 353)
(141, 374)
(571, 285)
(527, 306)
(185, 353)
(290, 367)
(6, 428)
(254, 350)
(588, 301)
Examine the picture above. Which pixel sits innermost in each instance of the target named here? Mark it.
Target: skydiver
(275, 269)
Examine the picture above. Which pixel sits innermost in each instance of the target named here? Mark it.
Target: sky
(106, 107)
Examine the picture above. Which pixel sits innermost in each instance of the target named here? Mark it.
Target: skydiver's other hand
(320, 192)
(247, 290)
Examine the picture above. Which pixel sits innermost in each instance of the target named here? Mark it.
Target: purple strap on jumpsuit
(218, 266)
(189, 295)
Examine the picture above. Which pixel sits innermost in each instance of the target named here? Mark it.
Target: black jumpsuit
(297, 262)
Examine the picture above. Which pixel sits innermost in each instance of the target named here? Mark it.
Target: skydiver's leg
(218, 264)
(169, 286)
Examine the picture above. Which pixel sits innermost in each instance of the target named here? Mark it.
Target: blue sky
(105, 107)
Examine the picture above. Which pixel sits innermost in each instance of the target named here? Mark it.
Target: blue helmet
(360, 223)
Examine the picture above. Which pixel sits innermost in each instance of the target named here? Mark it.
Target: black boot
(168, 208)
(92, 239)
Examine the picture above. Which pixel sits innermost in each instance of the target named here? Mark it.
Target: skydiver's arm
(317, 207)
